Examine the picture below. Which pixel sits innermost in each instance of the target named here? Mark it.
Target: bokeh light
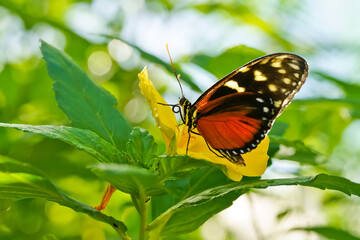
(99, 63)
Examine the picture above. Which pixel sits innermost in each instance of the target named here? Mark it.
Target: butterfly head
(186, 106)
(183, 101)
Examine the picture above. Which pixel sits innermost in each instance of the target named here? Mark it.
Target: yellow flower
(176, 138)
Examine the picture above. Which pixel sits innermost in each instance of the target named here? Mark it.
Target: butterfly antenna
(176, 75)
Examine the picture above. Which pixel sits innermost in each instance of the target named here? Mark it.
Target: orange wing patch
(228, 130)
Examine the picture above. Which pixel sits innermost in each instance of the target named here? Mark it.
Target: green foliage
(344, 185)
(174, 167)
(321, 116)
(199, 207)
(19, 181)
(178, 192)
(141, 148)
(227, 61)
(330, 232)
(83, 139)
(129, 179)
(184, 192)
(351, 90)
(301, 152)
(87, 105)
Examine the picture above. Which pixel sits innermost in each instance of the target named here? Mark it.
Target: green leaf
(174, 167)
(153, 59)
(82, 139)
(129, 179)
(278, 129)
(86, 104)
(298, 151)
(197, 208)
(190, 214)
(49, 237)
(351, 90)
(311, 118)
(141, 147)
(330, 232)
(19, 180)
(324, 181)
(228, 61)
(242, 12)
(182, 188)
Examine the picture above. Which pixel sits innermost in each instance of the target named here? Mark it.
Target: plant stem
(143, 215)
(122, 234)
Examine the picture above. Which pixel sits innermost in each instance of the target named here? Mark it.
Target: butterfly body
(237, 112)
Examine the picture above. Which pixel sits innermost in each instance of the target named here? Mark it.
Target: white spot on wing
(266, 109)
(234, 85)
(287, 80)
(294, 66)
(272, 87)
(276, 64)
(259, 99)
(259, 76)
(277, 103)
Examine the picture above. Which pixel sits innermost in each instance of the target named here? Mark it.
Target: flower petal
(163, 115)
(256, 160)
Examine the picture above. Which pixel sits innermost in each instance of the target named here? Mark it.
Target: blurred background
(324, 115)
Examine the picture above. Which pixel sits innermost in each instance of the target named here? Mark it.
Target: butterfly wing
(278, 76)
(236, 113)
(236, 123)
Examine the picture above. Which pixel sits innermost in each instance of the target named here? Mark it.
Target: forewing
(279, 76)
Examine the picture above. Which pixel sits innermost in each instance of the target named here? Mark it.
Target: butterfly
(236, 113)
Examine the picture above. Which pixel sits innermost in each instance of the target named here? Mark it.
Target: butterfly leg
(207, 144)
(195, 132)
(188, 142)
